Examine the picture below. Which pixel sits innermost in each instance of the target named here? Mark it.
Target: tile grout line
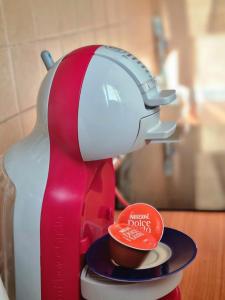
(17, 114)
(33, 18)
(36, 40)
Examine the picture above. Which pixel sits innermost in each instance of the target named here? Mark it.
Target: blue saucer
(183, 250)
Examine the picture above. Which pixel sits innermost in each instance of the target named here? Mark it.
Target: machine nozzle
(47, 59)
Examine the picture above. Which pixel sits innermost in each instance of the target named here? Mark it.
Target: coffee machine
(58, 183)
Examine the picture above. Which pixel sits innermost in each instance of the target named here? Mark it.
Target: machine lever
(163, 131)
(165, 97)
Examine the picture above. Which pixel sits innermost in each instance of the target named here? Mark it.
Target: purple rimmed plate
(183, 250)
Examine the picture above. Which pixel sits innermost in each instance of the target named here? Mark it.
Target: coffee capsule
(128, 245)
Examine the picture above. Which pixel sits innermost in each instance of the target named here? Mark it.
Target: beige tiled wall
(29, 26)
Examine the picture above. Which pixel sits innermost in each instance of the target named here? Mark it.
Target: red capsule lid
(144, 217)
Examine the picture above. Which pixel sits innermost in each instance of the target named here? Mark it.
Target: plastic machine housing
(94, 103)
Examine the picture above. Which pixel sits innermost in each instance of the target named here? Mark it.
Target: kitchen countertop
(204, 279)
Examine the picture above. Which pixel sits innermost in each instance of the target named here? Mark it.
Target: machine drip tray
(94, 287)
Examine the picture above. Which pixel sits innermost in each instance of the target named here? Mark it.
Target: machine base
(94, 287)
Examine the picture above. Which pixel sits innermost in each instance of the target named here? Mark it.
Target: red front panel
(98, 209)
(73, 187)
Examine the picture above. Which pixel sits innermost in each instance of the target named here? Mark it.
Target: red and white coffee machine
(57, 184)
